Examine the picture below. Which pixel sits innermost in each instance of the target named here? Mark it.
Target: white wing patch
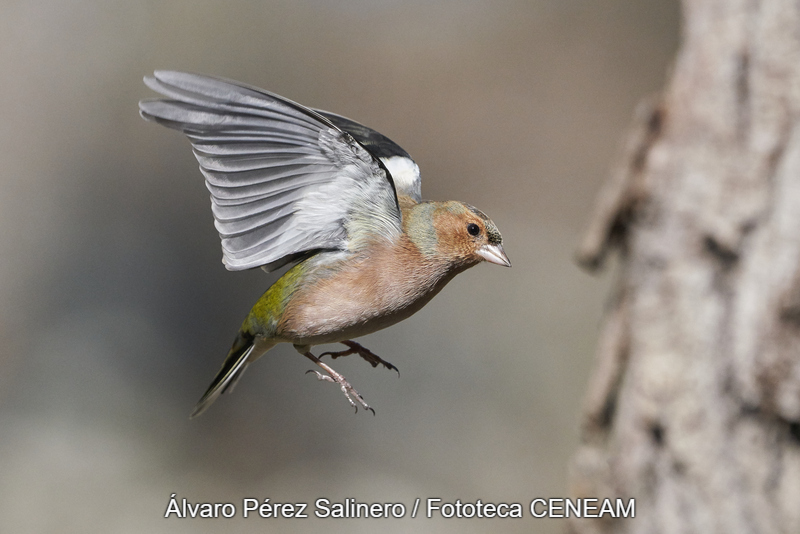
(405, 174)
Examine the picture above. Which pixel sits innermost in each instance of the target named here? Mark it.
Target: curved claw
(320, 376)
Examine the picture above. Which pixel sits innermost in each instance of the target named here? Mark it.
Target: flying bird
(340, 201)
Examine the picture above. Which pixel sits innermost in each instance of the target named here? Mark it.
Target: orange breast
(383, 285)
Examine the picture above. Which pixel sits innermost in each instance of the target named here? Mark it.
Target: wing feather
(285, 180)
(404, 171)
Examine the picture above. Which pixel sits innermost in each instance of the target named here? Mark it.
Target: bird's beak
(494, 254)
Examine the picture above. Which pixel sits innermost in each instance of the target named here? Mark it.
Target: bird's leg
(364, 352)
(336, 378)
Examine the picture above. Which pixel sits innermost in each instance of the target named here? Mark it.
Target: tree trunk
(694, 406)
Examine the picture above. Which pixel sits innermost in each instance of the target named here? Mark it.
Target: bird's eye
(473, 229)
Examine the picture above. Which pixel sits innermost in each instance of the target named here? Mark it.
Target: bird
(337, 201)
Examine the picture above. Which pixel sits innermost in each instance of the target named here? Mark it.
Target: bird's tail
(239, 357)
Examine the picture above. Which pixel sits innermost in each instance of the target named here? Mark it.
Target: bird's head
(456, 231)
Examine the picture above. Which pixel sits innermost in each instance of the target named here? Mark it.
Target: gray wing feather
(404, 171)
(284, 180)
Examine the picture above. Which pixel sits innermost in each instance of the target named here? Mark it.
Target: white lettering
(534, 502)
(172, 508)
(630, 509)
(587, 507)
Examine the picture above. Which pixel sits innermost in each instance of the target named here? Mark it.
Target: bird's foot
(364, 352)
(337, 378)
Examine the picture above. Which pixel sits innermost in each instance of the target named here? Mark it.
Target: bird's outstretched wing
(284, 179)
(403, 169)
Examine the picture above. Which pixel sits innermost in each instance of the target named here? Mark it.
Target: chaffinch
(290, 184)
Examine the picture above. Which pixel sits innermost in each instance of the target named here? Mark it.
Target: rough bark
(694, 406)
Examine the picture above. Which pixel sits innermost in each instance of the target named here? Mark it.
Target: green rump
(266, 313)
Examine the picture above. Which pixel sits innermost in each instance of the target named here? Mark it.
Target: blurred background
(116, 312)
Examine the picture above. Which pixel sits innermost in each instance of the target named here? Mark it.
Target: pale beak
(494, 254)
